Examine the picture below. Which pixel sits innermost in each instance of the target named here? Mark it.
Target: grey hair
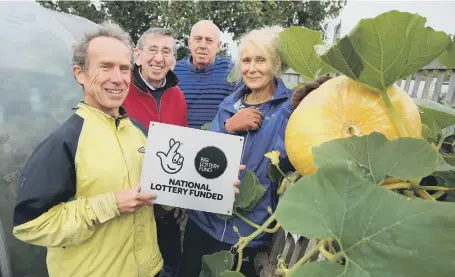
(105, 29)
(158, 31)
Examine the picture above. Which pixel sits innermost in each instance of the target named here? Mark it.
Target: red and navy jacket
(165, 105)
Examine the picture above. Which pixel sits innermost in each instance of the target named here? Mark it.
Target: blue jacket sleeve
(218, 122)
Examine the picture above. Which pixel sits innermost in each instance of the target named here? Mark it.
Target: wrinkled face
(204, 44)
(156, 58)
(107, 75)
(256, 69)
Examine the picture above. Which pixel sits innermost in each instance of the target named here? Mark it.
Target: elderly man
(203, 75)
(155, 96)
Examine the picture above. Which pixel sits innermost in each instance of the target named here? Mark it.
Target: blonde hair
(266, 39)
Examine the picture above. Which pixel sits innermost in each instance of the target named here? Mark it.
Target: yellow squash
(340, 108)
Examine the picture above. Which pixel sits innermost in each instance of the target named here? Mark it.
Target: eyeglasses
(166, 52)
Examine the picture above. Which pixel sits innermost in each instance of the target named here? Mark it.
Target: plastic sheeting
(37, 92)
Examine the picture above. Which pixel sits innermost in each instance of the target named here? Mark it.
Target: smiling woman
(258, 111)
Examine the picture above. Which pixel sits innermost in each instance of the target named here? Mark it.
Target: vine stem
(304, 259)
(441, 141)
(252, 224)
(394, 117)
(399, 185)
(244, 241)
(240, 260)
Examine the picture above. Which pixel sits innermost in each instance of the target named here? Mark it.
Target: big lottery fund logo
(210, 162)
(172, 160)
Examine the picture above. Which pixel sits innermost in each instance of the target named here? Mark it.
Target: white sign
(190, 168)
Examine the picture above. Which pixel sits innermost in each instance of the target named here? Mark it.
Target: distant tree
(233, 17)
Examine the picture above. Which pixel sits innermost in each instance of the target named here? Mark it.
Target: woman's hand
(245, 120)
(304, 90)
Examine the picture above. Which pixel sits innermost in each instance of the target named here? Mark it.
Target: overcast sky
(440, 14)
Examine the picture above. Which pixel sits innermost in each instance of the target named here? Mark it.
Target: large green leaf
(381, 50)
(443, 116)
(321, 269)
(448, 57)
(405, 158)
(214, 264)
(380, 232)
(296, 47)
(258, 193)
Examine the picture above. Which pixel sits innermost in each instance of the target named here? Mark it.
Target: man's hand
(130, 200)
(246, 119)
(304, 90)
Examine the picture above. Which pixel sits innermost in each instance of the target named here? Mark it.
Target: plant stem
(261, 229)
(394, 116)
(282, 173)
(438, 194)
(423, 194)
(304, 259)
(434, 188)
(399, 185)
(441, 141)
(240, 260)
(252, 224)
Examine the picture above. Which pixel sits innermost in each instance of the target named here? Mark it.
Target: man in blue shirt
(203, 75)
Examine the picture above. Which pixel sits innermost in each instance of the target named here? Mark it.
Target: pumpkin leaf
(381, 50)
(296, 48)
(402, 158)
(448, 57)
(380, 232)
(273, 173)
(214, 264)
(234, 75)
(251, 191)
(247, 190)
(441, 115)
(321, 269)
(258, 193)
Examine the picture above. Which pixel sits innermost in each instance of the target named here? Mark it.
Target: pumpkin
(342, 107)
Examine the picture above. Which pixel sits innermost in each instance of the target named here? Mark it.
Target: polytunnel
(37, 92)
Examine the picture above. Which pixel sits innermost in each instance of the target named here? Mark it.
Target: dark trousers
(197, 243)
(168, 233)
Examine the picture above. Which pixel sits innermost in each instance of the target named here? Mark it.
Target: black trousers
(197, 243)
(168, 233)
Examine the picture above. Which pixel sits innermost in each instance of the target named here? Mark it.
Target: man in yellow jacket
(79, 195)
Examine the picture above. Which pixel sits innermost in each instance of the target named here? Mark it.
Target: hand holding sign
(172, 161)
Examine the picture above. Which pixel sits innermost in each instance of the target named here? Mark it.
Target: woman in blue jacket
(259, 111)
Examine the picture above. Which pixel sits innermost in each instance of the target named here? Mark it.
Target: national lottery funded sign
(190, 168)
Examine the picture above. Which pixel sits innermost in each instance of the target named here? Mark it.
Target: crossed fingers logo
(172, 161)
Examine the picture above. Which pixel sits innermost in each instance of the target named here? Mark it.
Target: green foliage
(381, 158)
(214, 264)
(379, 231)
(382, 50)
(251, 191)
(233, 17)
(448, 57)
(296, 47)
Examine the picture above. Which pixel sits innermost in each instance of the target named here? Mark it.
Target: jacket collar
(171, 80)
(100, 114)
(191, 67)
(281, 93)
